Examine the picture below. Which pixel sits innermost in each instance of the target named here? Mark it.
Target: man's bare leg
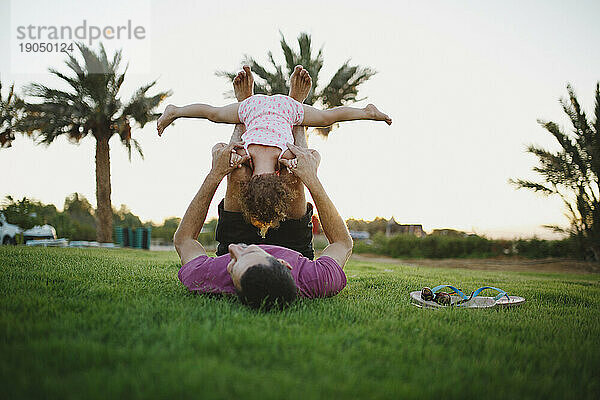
(300, 85)
(243, 87)
(298, 207)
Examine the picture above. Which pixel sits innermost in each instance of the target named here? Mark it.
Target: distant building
(394, 228)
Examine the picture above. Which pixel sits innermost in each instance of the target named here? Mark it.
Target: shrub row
(411, 246)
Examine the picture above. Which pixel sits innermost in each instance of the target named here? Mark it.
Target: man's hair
(265, 199)
(264, 286)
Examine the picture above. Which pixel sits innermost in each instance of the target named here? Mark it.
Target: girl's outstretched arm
(323, 118)
(227, 114)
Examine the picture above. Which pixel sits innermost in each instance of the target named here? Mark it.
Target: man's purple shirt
(320, 278)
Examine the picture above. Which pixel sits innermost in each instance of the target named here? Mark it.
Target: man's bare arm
(334, 227)
(185, 238)
(305, 167)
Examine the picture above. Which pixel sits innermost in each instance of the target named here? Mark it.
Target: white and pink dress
(269, 120)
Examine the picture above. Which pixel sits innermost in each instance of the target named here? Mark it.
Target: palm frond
(557, 229)
(577, 161)
(290, 57)
(74, 82)
(116, 61)
(138, 148)
(119, 79)
(343, 87)
(537, 187)
(74, 66)
(94, 63)
(140, 106)
(10, 109)
(579, 119)
(304, 42)
(123, 128)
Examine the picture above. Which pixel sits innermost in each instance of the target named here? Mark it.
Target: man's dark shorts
(295, 234)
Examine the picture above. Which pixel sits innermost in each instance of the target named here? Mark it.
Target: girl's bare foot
(243, 84)
(166, 118)
(300, 84)
(376, 115)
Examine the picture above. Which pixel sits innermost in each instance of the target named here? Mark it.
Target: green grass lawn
(118, 324)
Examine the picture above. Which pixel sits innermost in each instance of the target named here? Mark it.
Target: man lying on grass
(263, 275)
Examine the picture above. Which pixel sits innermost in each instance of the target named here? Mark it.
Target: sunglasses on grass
(442, 298)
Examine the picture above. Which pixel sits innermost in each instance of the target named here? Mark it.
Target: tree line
(469, 246)
(77, 220)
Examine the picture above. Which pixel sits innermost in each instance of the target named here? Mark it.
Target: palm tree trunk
(104, 206)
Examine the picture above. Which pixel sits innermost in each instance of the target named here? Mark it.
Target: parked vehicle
(8, 232)
(39, 232)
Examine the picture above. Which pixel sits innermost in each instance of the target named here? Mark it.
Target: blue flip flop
(502, 299)
(459, 299)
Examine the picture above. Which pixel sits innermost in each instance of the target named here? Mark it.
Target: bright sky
(464, 82)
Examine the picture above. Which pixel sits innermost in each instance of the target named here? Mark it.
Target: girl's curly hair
(265, 199)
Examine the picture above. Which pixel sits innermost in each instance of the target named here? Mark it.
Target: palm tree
(341, 90)
(9, 113)
(573, 173)
(91, 106)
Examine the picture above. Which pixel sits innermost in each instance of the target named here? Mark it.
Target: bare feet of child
(376, 115)
(300, 84)
(166, 118)
(243, 84)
